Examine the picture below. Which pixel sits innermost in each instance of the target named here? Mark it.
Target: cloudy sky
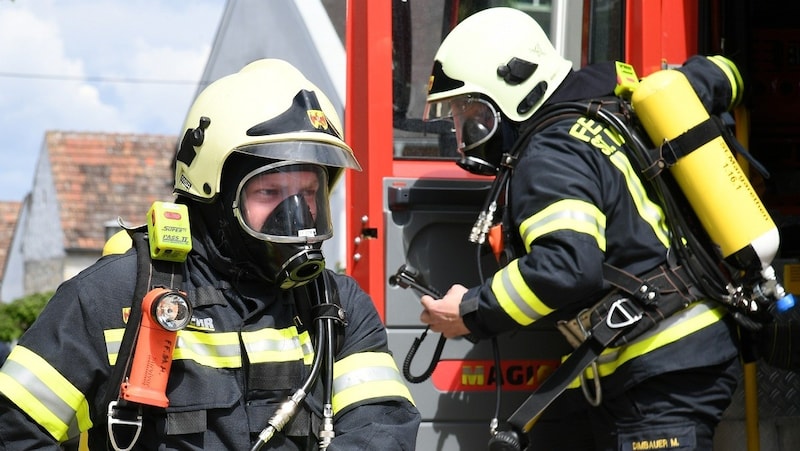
(95, 65)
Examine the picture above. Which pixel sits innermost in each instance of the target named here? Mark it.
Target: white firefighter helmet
(498, 53)
(261, 150)
(268, 101)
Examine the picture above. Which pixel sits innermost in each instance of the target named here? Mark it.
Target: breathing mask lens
(475, 121)
(285, 204)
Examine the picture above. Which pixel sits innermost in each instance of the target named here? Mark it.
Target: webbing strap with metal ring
(674, 149)
(511, 435)
(619, 319)
(596, 398)
(149, 273)
(127, 418)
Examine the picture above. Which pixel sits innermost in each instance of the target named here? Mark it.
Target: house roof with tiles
(99, 177)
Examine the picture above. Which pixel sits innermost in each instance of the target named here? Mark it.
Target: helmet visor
(298, 150)
(474, 119)
(285, 203)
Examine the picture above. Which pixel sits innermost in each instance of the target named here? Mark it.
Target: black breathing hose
(287, 410)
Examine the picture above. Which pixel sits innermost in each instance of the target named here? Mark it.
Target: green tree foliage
(17, 316)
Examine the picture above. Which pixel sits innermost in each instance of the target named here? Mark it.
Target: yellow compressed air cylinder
(710, 177)
(119, 243)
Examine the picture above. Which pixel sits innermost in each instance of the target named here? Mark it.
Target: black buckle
(672, 155)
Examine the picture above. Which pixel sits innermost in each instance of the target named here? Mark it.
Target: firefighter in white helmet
(260, 151)
(573, 205)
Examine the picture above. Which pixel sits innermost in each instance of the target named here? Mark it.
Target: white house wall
(11, 286)
(43, 247)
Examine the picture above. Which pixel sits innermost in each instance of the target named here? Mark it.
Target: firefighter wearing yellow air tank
(260, 151)
(574, 202)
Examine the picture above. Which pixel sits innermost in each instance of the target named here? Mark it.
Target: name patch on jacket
(197, 323)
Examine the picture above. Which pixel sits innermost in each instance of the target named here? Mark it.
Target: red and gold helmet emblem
(318, 119)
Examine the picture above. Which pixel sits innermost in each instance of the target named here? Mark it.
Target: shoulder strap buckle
(125, 417)
(623, 313)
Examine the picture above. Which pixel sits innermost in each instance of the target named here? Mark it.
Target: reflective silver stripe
(277, 345)
(217, 350)
(515, 296)
(113, 343)
(567, 214)
(510, 288)
(308, 347)
(223, 350)
(649, 211)
(364, 376)
(46, 396)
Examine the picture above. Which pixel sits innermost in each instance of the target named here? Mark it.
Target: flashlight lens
(172, 311)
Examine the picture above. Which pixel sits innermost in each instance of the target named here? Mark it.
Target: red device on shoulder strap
(164, 313)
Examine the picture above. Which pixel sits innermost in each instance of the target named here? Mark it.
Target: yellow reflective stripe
(364, 376)
(692, 319)
(595, 135)
(113, 342)
(568, 214)
(278, 345)
(217, 350)
(515, 296)
(223, 350)
(28, 402)
(44, 394)
(648, 210)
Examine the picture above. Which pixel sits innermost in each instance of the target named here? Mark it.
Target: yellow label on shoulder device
(168, 231)
(627, 81)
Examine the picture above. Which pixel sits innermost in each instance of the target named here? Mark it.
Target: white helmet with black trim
(261, 150)
(268, 101)
(497, 63)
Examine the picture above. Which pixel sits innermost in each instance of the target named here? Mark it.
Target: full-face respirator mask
(481, 134)
(283, 209)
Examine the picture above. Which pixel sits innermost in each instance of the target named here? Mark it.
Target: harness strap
(670, 151)
(334, 312)
(660, 293)
(666, 279)
(134, 319)
(634, 307)
(513, 434)
(149, 273)
(310, 310)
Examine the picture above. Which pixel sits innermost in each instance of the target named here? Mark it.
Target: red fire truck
(412, 205)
